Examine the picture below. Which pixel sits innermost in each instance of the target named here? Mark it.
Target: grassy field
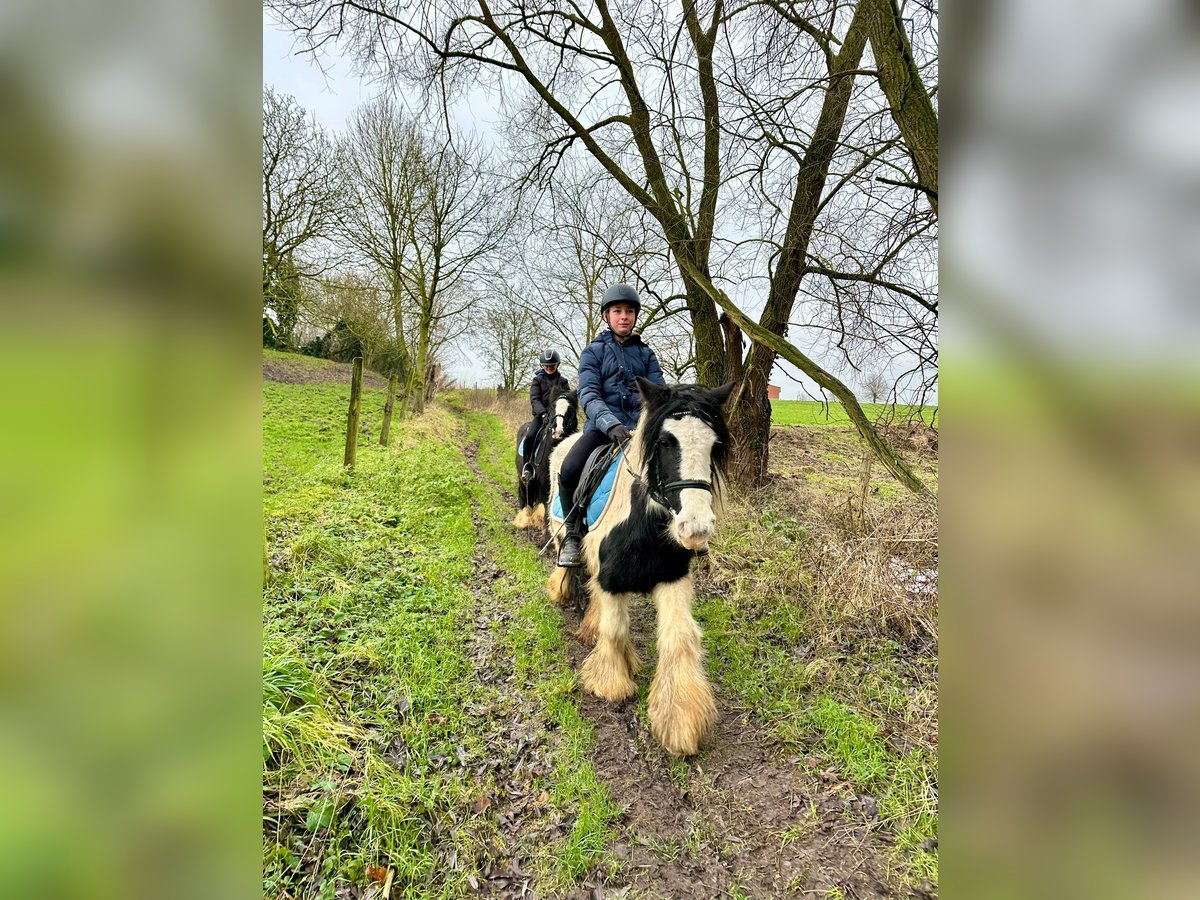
(811, 412)
(380, 738)
(423, 729)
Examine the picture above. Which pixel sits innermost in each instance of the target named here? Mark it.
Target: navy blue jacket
(607, 390)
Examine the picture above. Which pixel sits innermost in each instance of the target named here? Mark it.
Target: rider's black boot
(568, 553)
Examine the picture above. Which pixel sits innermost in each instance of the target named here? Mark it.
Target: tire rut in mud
(748, 816)
(521, 740)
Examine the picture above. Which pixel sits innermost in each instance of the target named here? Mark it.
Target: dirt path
(742, 819)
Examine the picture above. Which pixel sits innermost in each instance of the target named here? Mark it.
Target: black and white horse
(562, 421)
(662, 512)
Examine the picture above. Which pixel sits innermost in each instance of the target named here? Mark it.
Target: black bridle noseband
(658, 491)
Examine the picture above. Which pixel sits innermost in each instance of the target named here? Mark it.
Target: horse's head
(683, 441)
(564, 408)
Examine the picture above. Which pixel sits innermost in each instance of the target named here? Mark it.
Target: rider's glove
(619, 433)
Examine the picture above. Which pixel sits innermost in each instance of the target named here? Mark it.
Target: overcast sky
(333, 94)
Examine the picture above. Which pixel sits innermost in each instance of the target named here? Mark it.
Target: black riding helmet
(620, 293)
(548, 358)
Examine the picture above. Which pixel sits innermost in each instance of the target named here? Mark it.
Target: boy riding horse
(608, 394)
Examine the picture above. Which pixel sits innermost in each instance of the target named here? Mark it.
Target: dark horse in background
(662, 512)
(533, 466)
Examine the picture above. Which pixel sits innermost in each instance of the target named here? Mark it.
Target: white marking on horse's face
(695, 522)
(561, 406)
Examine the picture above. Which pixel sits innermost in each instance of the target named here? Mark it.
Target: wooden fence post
(387, 412)
(352, 415)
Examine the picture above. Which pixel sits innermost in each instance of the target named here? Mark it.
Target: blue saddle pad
(599, 501)
(521, 447)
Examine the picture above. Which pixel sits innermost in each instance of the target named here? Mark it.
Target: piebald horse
(662, 513)
(562, 421)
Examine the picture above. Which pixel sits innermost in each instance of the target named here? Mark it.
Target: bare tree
(380, 153)
(457, 220)
(876, 385)
(583, 235)
(655, 96)
(301, 198)
(508, 337)
(423, 215)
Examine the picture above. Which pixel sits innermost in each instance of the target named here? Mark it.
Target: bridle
(658, 490)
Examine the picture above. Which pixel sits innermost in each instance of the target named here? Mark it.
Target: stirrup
(569, 560)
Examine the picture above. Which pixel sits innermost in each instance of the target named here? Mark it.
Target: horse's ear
(652, 394)
(722, 393)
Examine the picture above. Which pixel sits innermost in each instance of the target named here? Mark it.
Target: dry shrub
(512, 408)
(915, 437)
(856, 573)
(876, 572)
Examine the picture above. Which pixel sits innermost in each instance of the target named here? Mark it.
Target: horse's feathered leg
(608, 670)
(588, 631)
(681, 705)
(559, 586)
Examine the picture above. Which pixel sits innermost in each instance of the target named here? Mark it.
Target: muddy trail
(744, 818)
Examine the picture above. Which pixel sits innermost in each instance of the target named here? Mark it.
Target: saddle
(595, 484)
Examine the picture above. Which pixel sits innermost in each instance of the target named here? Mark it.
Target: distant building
(772, 392)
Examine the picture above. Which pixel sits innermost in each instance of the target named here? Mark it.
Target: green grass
(359, 621)
(373, 722)
(796, 698)
(835, 703)
(812, 412)
(369, 697)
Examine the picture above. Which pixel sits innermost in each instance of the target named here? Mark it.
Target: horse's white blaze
(561, 406)
(695, 522)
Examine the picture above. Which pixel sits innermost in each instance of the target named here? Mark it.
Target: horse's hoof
(605, 681)
(559, 586)
(682, 727)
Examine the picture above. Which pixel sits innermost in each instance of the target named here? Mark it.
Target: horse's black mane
(557, 390)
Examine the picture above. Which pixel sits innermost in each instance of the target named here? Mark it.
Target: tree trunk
(735, 368)
(750, 423)
(912, 110)
(386, 430)
(750, 414)
(750, 429)
(431, 380)
(352, 413)
(420, 369)
(711, 369)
